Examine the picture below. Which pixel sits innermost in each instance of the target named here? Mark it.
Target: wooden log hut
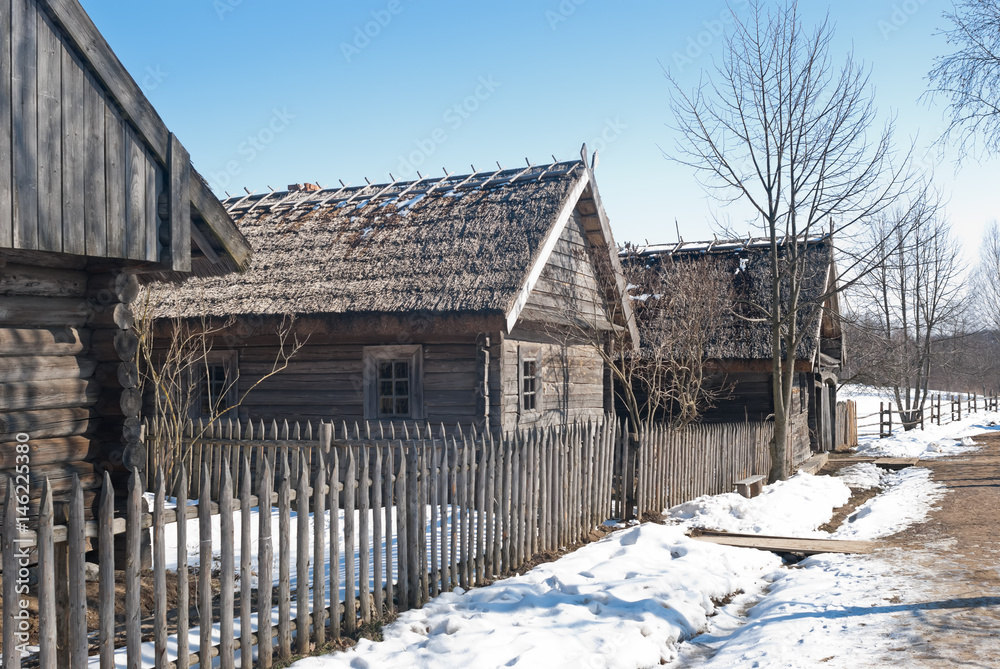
(739, 358)
(96, 194)
(473, 299)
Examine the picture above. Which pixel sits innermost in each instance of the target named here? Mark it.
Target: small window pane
(385, 370)
(403, 388)
(402, 406)
(402, 370)
(385, 406)
(385, 388)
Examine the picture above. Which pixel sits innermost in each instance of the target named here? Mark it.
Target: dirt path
(951, 616)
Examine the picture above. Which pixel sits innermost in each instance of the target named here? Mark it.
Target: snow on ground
(796, 507)
(629, 600)
(909, 496)
(649, 594)
(624, 601)
(828, 610)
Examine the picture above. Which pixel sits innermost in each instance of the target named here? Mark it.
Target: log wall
(53, 348)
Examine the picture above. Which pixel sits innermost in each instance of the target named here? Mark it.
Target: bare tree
(969, 76)
(174, 357)
(680, 307)
(912, 303)
(782, 129)
(986, 280)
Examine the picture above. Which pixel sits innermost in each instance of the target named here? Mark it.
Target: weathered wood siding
(325, 380)
(78, 180)
(571, 383)
(562, 323)
(568, 288)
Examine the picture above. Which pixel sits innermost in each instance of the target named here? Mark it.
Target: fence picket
(227, 569)
(301, 552)
(246, 550)
(333, 501)
(205, 558)
(379, 590)
(389, 507)
(46, 585)
(183, 594)
(133, 561)
(265, 565)
(284, 558)
(402, 536)
(364, 502)
(159, 574)
(319, 550)
(350, 497)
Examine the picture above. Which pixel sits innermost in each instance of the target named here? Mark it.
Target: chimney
(306, 187)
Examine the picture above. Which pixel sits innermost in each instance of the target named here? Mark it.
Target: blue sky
(272, 93)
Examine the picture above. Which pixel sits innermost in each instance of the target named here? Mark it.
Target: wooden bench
(751, 486)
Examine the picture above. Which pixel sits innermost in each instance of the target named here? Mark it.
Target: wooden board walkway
(813, 464)
(784, 544)
(895, 464)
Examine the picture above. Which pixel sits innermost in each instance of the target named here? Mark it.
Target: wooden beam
(221, 225)
(784, 544)
(6, 141)
(179, 192)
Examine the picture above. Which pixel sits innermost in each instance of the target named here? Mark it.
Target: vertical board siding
(49, 57)
(114, 155)
(95, 175)
(73, 156)
(24, 123)
(6, 137)
(79, 178)
(135, 196)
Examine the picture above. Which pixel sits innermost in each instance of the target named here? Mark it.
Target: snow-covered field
(649, 594)
(934, 441)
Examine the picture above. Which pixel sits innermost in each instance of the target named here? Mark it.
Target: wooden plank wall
(325, 380)
(568, 288)
(80, 180)
(572, 383)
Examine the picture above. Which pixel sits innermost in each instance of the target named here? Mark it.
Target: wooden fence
(393, 524)
(674, 466)
(365, 523)
(957, 405)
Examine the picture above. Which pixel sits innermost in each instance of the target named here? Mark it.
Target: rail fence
(937, 410)
(352, 525)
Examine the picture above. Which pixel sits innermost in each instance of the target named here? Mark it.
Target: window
(394, 389)
(216, 381)
(529, 380)
(392, 382)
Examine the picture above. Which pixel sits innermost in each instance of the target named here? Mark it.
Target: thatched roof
(748, 263)
(449, 246)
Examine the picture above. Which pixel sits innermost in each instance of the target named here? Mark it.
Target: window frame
(229, 361)
(529, 354)
(373, 357)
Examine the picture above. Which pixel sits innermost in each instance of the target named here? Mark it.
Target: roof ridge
(238, 206)
(715, 245)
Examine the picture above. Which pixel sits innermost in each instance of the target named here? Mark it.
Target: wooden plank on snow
(785, 544)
